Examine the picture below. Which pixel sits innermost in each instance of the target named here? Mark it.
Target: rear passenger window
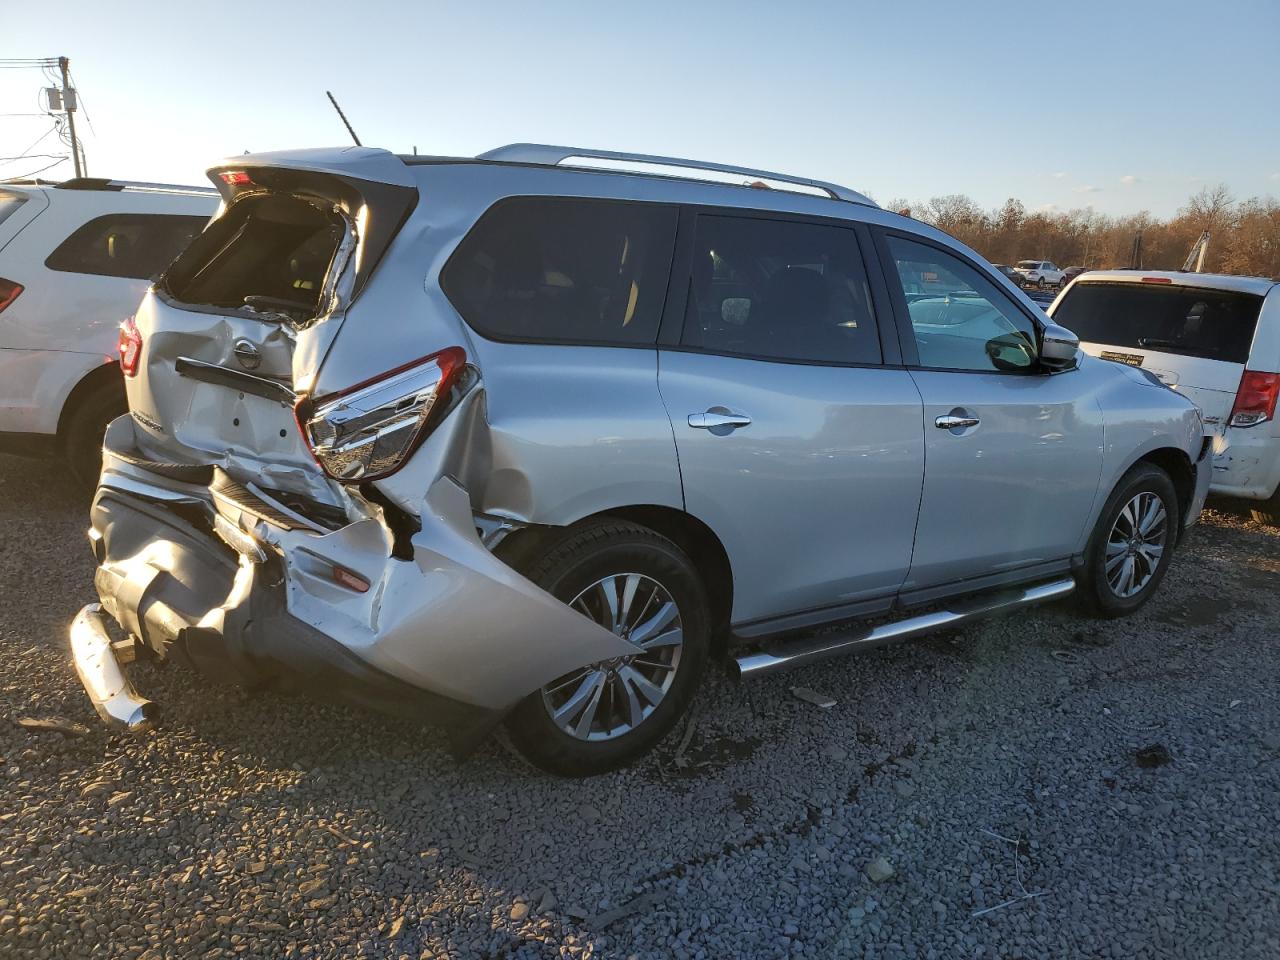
(564, 270)
(779, 289)
(135, 245)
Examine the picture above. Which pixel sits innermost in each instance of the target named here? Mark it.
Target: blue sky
(1125, 106)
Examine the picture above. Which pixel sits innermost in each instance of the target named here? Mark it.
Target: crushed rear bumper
(236, 585)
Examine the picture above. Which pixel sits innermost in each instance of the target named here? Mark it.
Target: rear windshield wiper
(279, 306)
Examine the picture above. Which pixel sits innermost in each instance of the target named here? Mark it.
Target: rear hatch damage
(239, 524)
(237, 328)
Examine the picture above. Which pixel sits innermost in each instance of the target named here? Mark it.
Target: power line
(80, 100)
(34, 156)
(27, 176)
(35, 143)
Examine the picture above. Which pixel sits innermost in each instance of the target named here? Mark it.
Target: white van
(75, 259)
(1214, 338)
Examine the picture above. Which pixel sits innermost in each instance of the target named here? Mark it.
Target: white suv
(1040, 273)
(1212, 337)
(75, 259)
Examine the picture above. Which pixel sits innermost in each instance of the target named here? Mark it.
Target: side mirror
(1011, 352)
(1059, 348)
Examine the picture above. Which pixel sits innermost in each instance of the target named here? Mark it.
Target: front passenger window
(960, 318)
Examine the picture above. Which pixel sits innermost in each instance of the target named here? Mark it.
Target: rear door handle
(952, 422)
(710, 420)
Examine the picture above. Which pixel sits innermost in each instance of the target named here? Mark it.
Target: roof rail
(542, 153)
(104, 183)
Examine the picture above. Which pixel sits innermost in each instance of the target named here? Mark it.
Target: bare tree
(1246, 235)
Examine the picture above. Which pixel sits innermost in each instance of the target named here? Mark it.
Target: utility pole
(69, 105)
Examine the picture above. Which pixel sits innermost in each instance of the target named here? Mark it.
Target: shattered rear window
(270, 253)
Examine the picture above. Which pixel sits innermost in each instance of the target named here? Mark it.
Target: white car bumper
(1246, 462)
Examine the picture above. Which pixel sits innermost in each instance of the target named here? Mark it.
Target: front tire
(641, 586)
(1132, 543)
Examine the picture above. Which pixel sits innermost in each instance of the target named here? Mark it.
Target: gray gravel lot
(978, 768)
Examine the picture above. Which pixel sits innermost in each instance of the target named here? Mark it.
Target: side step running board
(812, 649)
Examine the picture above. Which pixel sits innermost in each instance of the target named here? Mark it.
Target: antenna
(344, 119)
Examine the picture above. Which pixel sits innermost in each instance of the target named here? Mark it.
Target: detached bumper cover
(232, 587)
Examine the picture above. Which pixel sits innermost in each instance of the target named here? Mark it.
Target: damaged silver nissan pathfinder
(524, 438)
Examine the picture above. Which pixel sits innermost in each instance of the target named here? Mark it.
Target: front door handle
(712, 419)
(952, 422)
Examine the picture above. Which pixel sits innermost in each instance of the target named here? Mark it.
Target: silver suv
(527, 438)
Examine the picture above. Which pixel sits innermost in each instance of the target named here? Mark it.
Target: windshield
(1191, 321)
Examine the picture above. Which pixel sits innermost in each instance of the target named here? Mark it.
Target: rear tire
(1268, 511)
(85, 425)
(1136, 531)
(1042, 283)
(641, 570)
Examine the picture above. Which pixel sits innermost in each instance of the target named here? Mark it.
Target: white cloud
(1274, 176)
(1129, 180)
(1088, 188)
(1047, 207)
(1059, 175)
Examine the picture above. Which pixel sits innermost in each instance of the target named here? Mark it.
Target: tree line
(1244, 234)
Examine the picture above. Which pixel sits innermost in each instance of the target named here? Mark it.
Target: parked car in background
(75, 258)
(1013, 275)
(1041, 274)
(1070, 273)
(537, 437)
(1213, 338)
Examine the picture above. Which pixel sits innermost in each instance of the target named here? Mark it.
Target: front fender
(1139, 417)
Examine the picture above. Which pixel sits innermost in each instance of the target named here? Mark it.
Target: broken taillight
(368, 431)
(130, 347)
(1256, 398)
(8, 292)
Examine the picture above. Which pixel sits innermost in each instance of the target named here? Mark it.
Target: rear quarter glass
(1189, 321)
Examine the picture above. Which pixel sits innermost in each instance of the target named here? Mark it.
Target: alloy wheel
(610, 698)
(1135, 545)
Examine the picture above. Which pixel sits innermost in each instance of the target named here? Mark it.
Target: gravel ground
(1004, 764)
